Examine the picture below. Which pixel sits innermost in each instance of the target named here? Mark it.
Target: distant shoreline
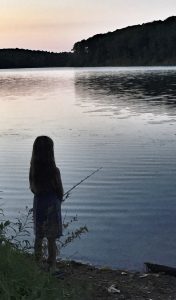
(93, 67)
(149, 44)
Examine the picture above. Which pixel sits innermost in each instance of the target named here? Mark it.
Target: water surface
(121, 119)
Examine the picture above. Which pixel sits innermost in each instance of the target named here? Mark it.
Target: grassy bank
(22, 279)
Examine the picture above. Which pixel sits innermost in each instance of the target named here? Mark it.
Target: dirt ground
(110, 284)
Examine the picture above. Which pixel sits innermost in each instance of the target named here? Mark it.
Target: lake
(120, 119)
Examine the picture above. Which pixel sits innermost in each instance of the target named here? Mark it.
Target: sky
(55, 25)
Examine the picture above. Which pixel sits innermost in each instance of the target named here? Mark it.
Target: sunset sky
(55, 25)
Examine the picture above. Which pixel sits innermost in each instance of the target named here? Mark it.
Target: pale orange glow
(56, 25)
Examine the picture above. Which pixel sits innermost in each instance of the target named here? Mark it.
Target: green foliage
(4, 224)
(21, 279)
(70, 236)
(17, 233)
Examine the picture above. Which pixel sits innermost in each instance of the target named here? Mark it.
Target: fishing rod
(81, 181)
(66, 194)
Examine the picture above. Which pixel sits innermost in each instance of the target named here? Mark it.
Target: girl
(46, 185)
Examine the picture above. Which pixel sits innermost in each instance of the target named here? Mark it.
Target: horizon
(50, 51)
(56, 26)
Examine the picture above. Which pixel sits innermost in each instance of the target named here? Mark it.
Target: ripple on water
(119, 120)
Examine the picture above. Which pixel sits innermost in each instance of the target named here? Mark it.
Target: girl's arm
(60, 190)
(30, 181)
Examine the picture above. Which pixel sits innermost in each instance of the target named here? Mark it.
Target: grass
(20, 276)
(22, 279)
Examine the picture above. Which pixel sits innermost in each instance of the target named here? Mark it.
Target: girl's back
(45, 183)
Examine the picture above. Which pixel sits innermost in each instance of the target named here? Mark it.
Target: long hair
(43, 172)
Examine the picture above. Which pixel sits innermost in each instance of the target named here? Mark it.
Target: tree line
(151, 43)
(147, 44)
(21, 58)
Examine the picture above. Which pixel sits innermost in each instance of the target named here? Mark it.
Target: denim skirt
(47, 215)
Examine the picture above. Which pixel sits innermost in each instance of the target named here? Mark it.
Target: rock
(113, 290)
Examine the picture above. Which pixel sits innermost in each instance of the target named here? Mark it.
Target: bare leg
(52, 252)
(38, 249)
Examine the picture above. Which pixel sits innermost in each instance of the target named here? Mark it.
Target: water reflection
(136, 92)
(16, 84)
